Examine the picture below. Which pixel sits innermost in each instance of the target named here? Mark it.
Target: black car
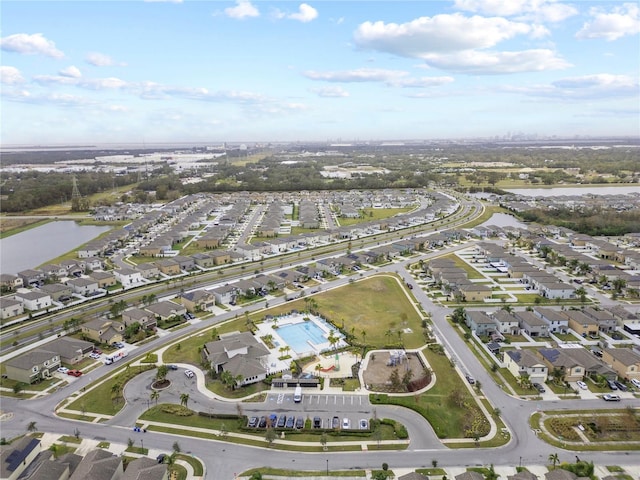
(160, 458)
(263, 422)
(621, 386)
(539, 387)
(281, 421)
(317, 422)
(253, 422)
(299, 423)
(291, 421)
(172, 367)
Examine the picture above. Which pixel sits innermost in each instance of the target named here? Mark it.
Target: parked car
(63, 370)
(581, 384)
(291, 422)
(346, 423)
(282, 420)
(612, 385)
(611, 397)
(253, 422)
(189, 374)
(95, 356)
(317, 422)
(263, 422)
(74, 373)
(98, 351)
(635, 382)
(539, 387)
(621, 386)
(172, 367)
(299, 423)
(470, 379)
(364, 424)
(335, 422)
(160, 458)
(273, 420)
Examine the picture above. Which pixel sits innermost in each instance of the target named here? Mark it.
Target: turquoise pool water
(297, 335)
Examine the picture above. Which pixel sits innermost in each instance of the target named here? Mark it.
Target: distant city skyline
(156, 72)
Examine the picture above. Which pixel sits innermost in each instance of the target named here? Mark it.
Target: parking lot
(318, 400)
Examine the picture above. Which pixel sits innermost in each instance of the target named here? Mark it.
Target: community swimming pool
(299, 335)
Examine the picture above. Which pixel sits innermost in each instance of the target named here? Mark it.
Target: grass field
(373, 214)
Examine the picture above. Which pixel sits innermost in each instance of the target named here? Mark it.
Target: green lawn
(472, 273)
(373, 214)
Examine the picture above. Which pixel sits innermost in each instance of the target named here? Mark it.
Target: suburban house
(474, 292)
(556, 358)
(582, 324)
(199, 300)
(240, 354)
(606, 321)
(104, 331)
(128, 277)
(532, 325)
(9, 282)
(32, 366)
(469, 475)
(10, 308)
(525, 362)
(57, 291)
(99, 464)
(83, 286)
(71, 350)
(165, 310)
(556, 289)
(506, 322)
(625, 361)
(137, 315)
(148, 270)
(104, 279)
(145, 468)
(203, 260)
(31, 277)
(556, 321)
(34, 300)
(17, 456)
(169, 267)
(480, 323)
(224, 294)
(629, 321)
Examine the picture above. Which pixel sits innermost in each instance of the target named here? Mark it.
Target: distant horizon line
(335, 142)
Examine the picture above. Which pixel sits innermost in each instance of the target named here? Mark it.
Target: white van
(297, 395)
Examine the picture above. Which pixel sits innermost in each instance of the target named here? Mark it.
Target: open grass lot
(618, 427)
(11, 226)
(447, 419)
(472, 273)
(281, 472)
(374, 305)
(373, 214)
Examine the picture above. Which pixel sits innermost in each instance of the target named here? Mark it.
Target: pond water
(591, 189)
(39, 245)
(504, 220)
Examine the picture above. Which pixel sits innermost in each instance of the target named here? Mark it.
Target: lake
(39, 245)
(591, 189)
(504, 220)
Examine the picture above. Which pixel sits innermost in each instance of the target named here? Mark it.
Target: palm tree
(162, 372)
(31, 427)
(155, 395)
(491, 474)
(184, 399)
(364, 337)
(553, 459)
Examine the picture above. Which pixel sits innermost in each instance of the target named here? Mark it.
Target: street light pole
(142, 443)
(327, 467)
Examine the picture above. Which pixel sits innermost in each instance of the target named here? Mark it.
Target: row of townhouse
(25, 459)
(573, 363)
(454, 280)
(542, 321)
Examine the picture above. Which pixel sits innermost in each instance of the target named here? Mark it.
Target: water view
(591, 189)
(39, 245)
(504, 220)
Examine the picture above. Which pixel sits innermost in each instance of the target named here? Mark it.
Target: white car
(635, 382)
(346, 423)
(63, 370)
(94, 355)
(189, 374)
(581, 384)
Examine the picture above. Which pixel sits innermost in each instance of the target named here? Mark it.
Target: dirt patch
(380, 367)
(161, 385)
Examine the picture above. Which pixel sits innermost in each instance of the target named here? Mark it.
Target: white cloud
(538, 10)
(440, 33)
(422, 82)
(305, 14)
(71, 71)
(622, 20)
(35, 44)
(330, 92)
(491, 63)
(460, 44)
(110, 83)
(243, 9)
(358, 75)
(590, 87)
(101, 60)
(163, 1)
(10, 75)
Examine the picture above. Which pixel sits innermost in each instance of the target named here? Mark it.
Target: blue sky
(212, 71)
